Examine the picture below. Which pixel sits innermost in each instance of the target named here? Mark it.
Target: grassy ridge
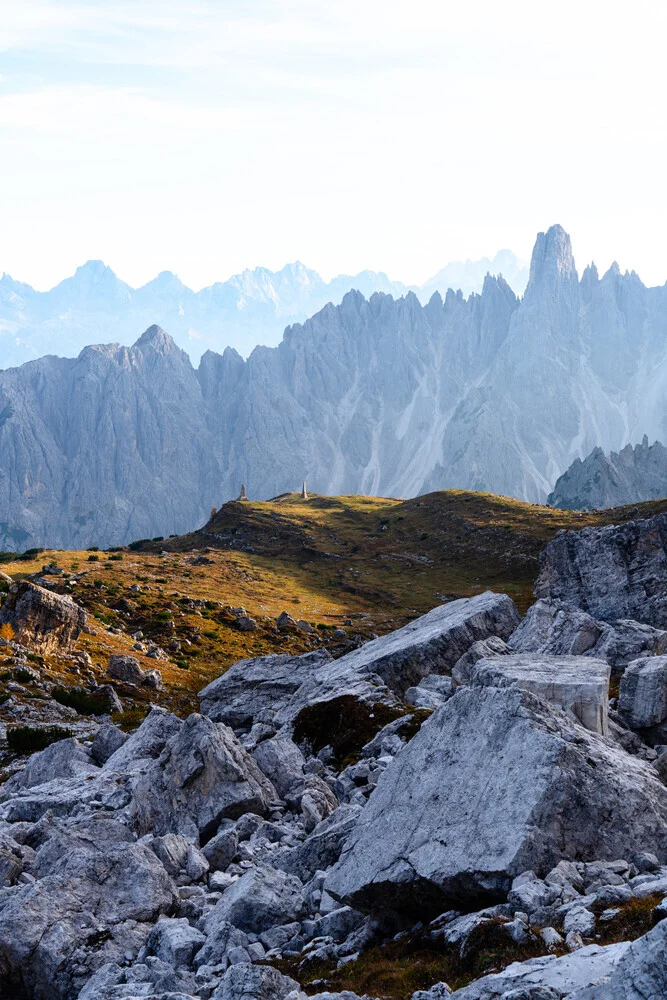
(375, 561)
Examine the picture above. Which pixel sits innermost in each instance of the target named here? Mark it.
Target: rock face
(494, 784)
(643, 693)
(380, 396)
(615, 572)
(42, 621)
(577, 684)
(624, 477)
(560, 629)
(202, 776)
(380, 670)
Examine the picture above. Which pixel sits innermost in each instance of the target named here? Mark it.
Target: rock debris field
(473, 781)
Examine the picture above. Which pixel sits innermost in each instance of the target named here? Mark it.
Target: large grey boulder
(380, 670)
(643, 692)
(62, 760)
(126, 669)
(203, 775)
(431, 644)
(254, 982)
(146, 743)
(108, 739)
(253, 688)
(281, 761)
(558, 978)
(630, 970)
(42, 621)
(619, 571)
(560, 629)
(483, 649)
(577, 684)
(174, 941)
(639, 974)
(261, 898)
(96, 905)
(557, 628)
(495, 783)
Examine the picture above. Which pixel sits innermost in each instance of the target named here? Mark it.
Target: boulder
(395, 662)
(560, 629)
(550, 978)
(632, 970)
(179, 856)
(495, 783)
(639, 973)
(221, 849)
(261, 898)
(125, 669)
(317, 801)
(174, 941)
(95, 904)
(380, 670)
(285, 620)
(431, 692)
(643, 692)
(255, 687)
(146, 743)
(64, 759)
(108, 739)
(627, 640)
(615, 572)
(483, 649)
(42, 621)
(577, 684)
(254, 982)
(281, 761)
(203, 775)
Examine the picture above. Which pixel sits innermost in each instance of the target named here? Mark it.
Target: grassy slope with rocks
(376, 562)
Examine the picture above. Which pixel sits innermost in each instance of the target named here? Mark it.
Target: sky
(207, 137)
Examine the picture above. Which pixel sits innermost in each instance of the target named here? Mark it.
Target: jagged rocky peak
(599, 481)
(552, 258)
(158, 339)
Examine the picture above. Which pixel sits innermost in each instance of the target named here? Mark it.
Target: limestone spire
(242, 494)
(304, 491)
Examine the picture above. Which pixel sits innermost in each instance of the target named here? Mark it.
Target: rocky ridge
(376, 396)
(250, 308)
(624, 477)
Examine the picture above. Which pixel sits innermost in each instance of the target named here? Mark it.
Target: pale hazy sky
(207, 137)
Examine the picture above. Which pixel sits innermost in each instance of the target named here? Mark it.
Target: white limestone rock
(90, 896)
(262, 898)
(577, 684)
(281, 761)
(560, 629)
(643, 692)
(495, 783)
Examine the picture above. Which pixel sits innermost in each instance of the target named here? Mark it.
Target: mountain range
(623, 477)
(251, 308)
(378, 396)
